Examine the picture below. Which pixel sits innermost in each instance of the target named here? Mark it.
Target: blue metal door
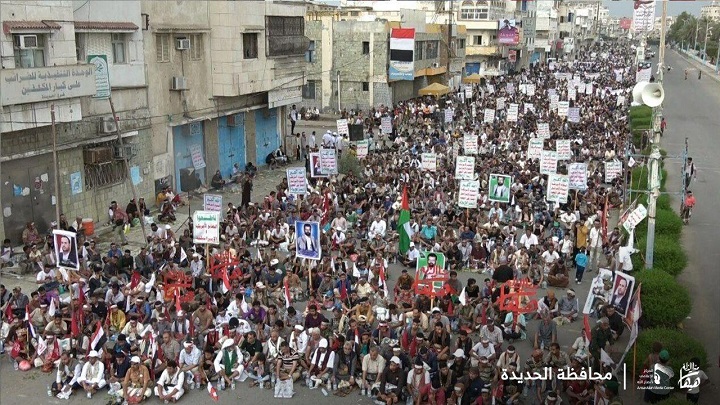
(231, 148)
(472, 68)
(266, 133)
(189, 159)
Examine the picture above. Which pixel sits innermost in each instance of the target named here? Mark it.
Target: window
(431, 50)
(365, 86)
(106, 174)
(250, 46)
(460, 44)
(310, 53)
(196, 47)
(285, 36)
(474, 11)
(29, 51)
(478, 40)
(366, 48)
(162, 47)
(80, 47)
(118, 48)
(419, 46)
(308, 90)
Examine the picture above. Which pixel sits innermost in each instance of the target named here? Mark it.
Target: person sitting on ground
(217, 181)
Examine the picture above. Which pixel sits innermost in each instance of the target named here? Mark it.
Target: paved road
(692, 110)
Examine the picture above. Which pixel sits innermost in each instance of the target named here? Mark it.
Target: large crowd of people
(175, 316)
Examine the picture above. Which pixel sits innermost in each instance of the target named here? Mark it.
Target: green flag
(404, 228)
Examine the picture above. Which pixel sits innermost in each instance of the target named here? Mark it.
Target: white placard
(563, 149)
(620, 100)
(362, 149)
(512, 112)
(554, 100)
(613, 169)
(543, 130)
(489, 116)
(581, 87)
(552, 92)
(212, 202)
(577, 173)
(529, 107)
(468, 194)
(342, 127)
(470, 144)
(206, 227)
(468, 91)
(297, 181)
(530, 90)
(635, 217)
(465, 167)
(500, 103)
(589, 89)
(428, 161)
(491, 89)
(535, 148)
(558, 188)
(385, 125)
(572, 94)
(449, 112)
(548, 162)
(196, 154)
(574, 114)
(510, 88)
(563, 107)
(328, 161)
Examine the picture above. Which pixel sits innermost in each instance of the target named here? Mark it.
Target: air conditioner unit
(179, 83)
(125, 152)
(182, 44)
(108, 125)
(26, 41)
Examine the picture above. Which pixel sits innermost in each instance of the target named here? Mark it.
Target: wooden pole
(576, 199)
(634, 363)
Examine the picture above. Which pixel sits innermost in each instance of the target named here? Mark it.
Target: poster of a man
(307, 243)
(66, 249)
(430, 273)
(315, 169)
(500, 188)
(508, 33)
(622, 291)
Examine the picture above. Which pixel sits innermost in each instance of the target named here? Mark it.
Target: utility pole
(56, 167)
(707, 30)
(654, 175)
(449, 38)
(697, 31)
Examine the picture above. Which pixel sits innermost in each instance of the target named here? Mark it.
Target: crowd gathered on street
(253, 313)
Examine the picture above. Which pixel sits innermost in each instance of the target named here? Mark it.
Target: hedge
(640, 111)
(665, 302)
(668, 223)
(679, 345)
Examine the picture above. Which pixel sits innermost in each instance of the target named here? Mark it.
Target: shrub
(669, 255)
(640, 111)
(664, 203)
(665, 302)
(668, 223)
(679, 345)
(349, 163)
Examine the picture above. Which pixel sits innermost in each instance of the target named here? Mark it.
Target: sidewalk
(698, 63)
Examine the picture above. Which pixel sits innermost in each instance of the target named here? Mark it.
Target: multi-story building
(221, 76)
(483, 53)
(547, 36)
(711, 11)
(349, 56)
(61, 61)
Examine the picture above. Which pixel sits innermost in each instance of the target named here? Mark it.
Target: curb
(708, 71)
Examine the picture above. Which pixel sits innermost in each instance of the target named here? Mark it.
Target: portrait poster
(76, 186)
(328, 161)
(577, 173)
(66, 251)
(315, 168)
(307, 240)
(601, 291)
(465, 167)
(558, 188)
(622, 292)
(428, 161)
(508, 32)
(297, 182)
(468, 193)
(499, 190)
(548, 162)
(430, 274)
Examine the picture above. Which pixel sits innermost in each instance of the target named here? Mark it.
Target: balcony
(477, 50)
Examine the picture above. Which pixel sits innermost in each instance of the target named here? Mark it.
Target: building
(222, 76)
(711, 11)
(579, 23)
(68, 57)
(349, 55)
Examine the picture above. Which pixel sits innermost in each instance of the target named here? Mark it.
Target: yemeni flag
(212, 391)
(404, 228)
(98, 339)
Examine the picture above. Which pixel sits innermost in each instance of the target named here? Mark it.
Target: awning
(474, 78)
(435, 89)
(30, 26)
(119, 26)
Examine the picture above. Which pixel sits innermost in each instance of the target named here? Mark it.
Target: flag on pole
(51, 309)
(225, 286)
(178, 307)
(586, 328)
(134, 279)
(286, 293)
(404, 228)
(9, 314)
(150, 284)
(31, 328)
(183, 255)
(462, 297)
(98, 338)
(244, 306)
(382, 281)
(212, 391)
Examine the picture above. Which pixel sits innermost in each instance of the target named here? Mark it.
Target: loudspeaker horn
(637, 92)
(653, 95)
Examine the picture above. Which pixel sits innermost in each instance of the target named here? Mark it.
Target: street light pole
(697, 30)
(707, 29)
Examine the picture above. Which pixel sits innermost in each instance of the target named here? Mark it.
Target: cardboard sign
(613, 169)
(535, 148)
(512, 113)
(530, 90)
(543, 130)
(385, 125)
(206, 227)
(212, 202)
(558, 188)
(342, 127)
(563, 108)
(468, 194)
(470, 144)
(500, 103)
(297, 181)
(635, 218)
(572, 94)
(465, 167)
(554, 100)
(548, 162)
(428, 161)
(328, 161)
(510, 88)
(362, 149)
(449, 112)
(491, 89)
(574, 114)
(577, 173)
(468, 91)
(529, 107)
(563, 149)
(489, 116)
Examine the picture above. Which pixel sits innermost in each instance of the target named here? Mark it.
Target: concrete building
(579, 23)
(546, 30)
(55, 56)
(349, 56)
(711, 11)
(221, 77)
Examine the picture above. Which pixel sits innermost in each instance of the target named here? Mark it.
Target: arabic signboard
(468, 194)
(548, 162)
(577, 173)
(20, 86)
(102, 75)
(429, 161)
(558, 188)
(386, 125)
(328, 161)
(342, 127)
(465, 167)
(470, 144)
(563, 149)
(206, 227)
(281, 97)
(297, 181)
(535, 148)
(212, 202)
(635, 218)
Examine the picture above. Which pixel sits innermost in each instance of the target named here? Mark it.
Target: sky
(624, 8)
